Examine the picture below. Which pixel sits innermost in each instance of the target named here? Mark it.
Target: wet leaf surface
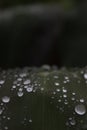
(45, 98)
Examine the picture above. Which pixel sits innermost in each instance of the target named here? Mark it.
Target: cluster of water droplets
(25, 82)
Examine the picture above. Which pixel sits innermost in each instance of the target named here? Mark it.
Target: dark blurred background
(33, 33)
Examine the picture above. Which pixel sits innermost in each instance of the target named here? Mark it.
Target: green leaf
(43, 99)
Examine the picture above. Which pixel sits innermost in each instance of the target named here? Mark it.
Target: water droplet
(27, 82)
(73, 99)
(29, 89)
(1, 111)
(72, 122)
(5, 99)
(82, 100)
(57, 84)
(80, 109)
(30, 120)
(58, 90)
(64, 90)
(46, 67)
(59, 100)
(23, 75)
(6, 128)
(42, 89)
(2, 82)
(20, 94)
(85, 75)
(73, 94)
(14, 86)
(56, 77)
(65, 96)
(66, 77)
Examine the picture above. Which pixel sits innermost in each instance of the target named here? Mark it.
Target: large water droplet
(80, 109)
(5, 99)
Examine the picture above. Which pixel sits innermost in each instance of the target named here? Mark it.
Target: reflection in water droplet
(5, 99)
(80, 109)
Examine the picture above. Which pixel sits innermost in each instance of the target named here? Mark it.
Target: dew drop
(6, 128)
(29, 89)
(56, 77)
(20, 94)
(64, 90)
(80, 109)
(27, 82)
(73, 122)
(57, 84)
(85, 75)
(65, 96)
(42, 89)
(23, 75)
(2, 82)
(82, 100)
(1, 111)
(30, 120)
(5, 99)
(14, 86)
(58, 90)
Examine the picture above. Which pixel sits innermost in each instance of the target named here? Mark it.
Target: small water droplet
(65, 96)
(80, 109)
(29, 89)
(64, 90)
(73, 94)
(72, 122)
(14, 86)
(2, 82)
(27, 82)
(23, 75)
(1, 111)
(5, 99)
(58, 90)
(82, 100)
(85, 75)
(56, 77)
(73, 98)
(20, 94)
(42, 89)
(30, 120)
(57, 84)
(59, 100)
